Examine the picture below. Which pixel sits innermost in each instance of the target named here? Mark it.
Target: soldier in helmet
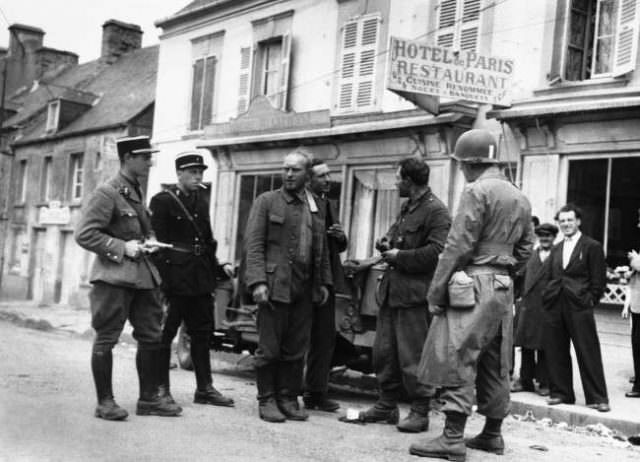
(468, 348)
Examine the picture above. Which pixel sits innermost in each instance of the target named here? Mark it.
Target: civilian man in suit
(287, 271)
(115, 225)
(574, 284)
(531, 317)
(180, 217)
(323, 324)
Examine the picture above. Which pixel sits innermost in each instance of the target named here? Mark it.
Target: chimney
(119, 38)
(24, 39)
(20, 61)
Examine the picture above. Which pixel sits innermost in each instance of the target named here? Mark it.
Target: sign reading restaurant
(416, 67)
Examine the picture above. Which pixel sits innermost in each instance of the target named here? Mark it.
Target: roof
(117, 93)
(194, 8)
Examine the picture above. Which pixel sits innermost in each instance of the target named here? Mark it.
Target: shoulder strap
(187, 214)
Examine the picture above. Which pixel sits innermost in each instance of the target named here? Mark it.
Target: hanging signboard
(417, 68)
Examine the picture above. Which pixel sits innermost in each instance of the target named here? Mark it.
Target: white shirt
(543, 254)
(568, 246)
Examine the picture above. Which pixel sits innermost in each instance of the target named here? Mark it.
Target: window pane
(606, 17)
(578, 29)
(624, 234)
(604, 56)
(574, 64)
(587, 189)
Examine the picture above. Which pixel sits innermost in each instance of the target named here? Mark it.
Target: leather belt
(472, 270)
(494, 248)
(197, 249)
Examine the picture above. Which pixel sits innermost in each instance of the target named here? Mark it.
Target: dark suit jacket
(115, 214)
(582, 283)
(530, 316)
(335, 247)
(271, 241)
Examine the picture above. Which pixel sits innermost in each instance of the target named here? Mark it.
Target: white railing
(614, 294)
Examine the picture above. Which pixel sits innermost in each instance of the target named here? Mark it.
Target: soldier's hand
(150, 246)
(436, 309)
(132, 248)
(390, 256)
(324, 293)
(261, 293)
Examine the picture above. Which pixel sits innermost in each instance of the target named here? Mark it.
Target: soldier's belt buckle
(197, 250)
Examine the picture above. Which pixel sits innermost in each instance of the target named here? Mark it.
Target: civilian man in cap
(573, 286)
(323, 324)
(287, 271)
(180, 217)
(468, 347)
(531, 317)
(115, 226)
(410, 248)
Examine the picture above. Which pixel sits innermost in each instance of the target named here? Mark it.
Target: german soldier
(180, 217)
(115, 225)
(410, 248)
(471, 296)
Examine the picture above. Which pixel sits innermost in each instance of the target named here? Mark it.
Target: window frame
(45, 178)
(53, 116)
(76, 176)
(22, 179)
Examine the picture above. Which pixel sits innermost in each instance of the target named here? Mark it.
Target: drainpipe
(4, 207)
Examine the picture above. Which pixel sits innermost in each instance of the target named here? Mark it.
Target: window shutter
(367, 63)
(285, 65)
(244, 93)
(459, 24)
(196, 93)
(626, 46)
(208, 89)
(560, 37)
(350, 52)
(446, 23)
(469, 25)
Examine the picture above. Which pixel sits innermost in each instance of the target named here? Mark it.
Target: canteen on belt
(461, 291)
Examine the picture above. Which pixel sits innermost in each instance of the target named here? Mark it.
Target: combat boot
(415, 422)
(148, 364)
(490, 439)
(212, 396)
(290, 408)
(269, 412)
(205, 391)
(320, 402)
(164, 388)
(101, 367)
(378, 413)
(267, 407)
(450, 445)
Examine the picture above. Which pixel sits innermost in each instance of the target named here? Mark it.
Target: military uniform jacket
(531, 317)
(115, 214)
(491, 233)
(419, 233)
(190, 269)
(271, 242)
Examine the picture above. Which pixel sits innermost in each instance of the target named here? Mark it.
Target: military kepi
(190, 159)
(134, 145)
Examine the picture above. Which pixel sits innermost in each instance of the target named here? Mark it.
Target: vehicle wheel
(183, 351)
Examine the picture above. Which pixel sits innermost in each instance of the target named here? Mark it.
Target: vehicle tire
(183, 351)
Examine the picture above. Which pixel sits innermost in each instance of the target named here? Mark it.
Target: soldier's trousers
(196, 312)
(491, 388)
(321, 345)
(400, 336)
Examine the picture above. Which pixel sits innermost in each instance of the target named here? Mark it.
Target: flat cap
(546, 229)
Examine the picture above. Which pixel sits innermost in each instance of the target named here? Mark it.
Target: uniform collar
(410, 205)
(291, 197)
(492, 173)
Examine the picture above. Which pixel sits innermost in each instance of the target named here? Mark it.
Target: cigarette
(202, 186)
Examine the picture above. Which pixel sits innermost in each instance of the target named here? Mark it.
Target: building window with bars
(76, 177)
(459, 24)
(359, 46)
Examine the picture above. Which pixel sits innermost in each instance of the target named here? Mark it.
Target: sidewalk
(616, 351)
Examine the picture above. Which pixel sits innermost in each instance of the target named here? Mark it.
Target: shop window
(21, 186)
(76, 177)
(458, 24)
(203, 81)
(45, 179)
(608, 192)
(375, 205)
(596, 38)
(358, 58)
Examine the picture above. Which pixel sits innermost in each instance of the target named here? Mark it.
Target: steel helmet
(476, 147)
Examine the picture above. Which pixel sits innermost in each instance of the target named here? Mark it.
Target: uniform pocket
(502, 282)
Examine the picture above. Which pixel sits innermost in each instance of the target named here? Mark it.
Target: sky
(73, 25)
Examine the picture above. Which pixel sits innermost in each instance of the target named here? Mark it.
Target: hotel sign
(418, 68)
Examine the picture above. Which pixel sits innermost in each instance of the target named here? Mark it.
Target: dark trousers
(533, 365)
(635, 348)
(400, 336)
(283, 338)
(491, 387)
(321, 345)
(112, 305)
(578, 326)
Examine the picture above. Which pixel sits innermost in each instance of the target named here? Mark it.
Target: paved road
(46, 407)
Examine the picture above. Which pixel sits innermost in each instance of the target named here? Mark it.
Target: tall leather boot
(164, 386)
(205, 391)
(266, 381)
(101, 367)
(450, 445)
(148, 364)
(289, 386)
(418, 419)
(490, 439)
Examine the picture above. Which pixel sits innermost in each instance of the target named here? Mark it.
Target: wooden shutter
(244, 92)
(356, 88)
(458, 24)
(469, 25)
(626, 41)
(196, 93)
(283, 92)
(560, 38)
(446, 23)
(208, 91)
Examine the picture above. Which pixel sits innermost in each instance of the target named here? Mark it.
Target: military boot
(450, 445)
(148, 364)
(205, 392)
(415, 422)
(164, 388)
(290, 408)
(320, 401)
(267, 407)
(490, 439)
(101, 367)
(380, 413)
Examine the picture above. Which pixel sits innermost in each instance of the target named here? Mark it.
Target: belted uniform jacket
(192, 267)
(492, 229)
(271, 243)
(115, 214)
(419, 233)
